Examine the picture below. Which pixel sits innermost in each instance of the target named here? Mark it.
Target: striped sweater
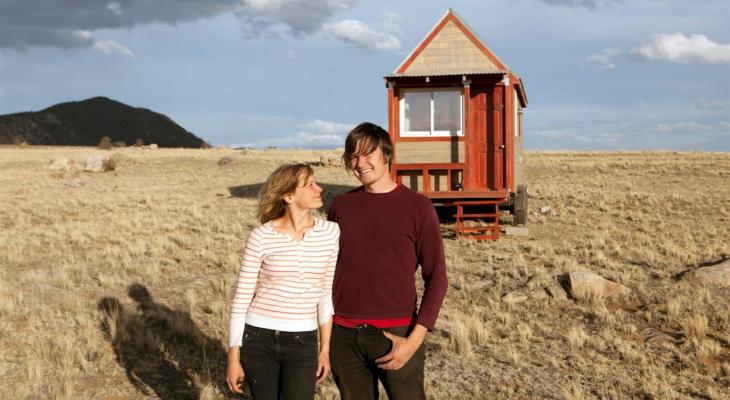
(284, 284)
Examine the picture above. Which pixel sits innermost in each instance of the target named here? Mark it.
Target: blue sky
(599, 74)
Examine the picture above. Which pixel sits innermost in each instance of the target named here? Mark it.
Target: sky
(599, 74)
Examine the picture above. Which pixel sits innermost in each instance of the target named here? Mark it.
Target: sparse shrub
(224, 161)
(460, 341)
(709, 349)
(695, 327)
(19, 141)
(673, 306)
(725, 368)
(191, 299)
(119, 143)
(503, 318)
(514, 355)
(105, 143)
(574, 392)
(109, 164)
(524, 331)
(139, 143)
(576, 337)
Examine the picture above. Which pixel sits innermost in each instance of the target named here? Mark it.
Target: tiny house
(455, 117)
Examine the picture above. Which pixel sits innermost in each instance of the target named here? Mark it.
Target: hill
(84, 123)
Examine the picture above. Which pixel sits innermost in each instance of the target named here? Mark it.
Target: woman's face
(308, 195)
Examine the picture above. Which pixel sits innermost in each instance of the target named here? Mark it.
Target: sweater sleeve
(430, 253)
(325, 309)
(245, 287)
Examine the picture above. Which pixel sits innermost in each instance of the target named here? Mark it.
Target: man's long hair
(363, 140)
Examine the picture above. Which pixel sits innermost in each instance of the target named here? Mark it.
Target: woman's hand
(234, 371)
(323, 365)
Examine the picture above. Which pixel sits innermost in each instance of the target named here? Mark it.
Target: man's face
(370, 168)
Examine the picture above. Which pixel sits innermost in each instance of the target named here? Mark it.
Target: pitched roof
(451, 48)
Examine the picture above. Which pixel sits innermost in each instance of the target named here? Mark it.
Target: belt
(271, 332)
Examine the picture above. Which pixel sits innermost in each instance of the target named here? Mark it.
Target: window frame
(432, 132)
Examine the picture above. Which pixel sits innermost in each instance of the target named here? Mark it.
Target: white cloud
(314, 134)
(325, 127)
(104, 46)
(696, 131)
(568, 136)
(605, 139)
(684, 127)
(604, 59)
(676, 47)
(115, 7)
(300, 16)
(359, 34)
(710, 104)
(109, 46)
(589, 4)
(391, 23)
(553, 134)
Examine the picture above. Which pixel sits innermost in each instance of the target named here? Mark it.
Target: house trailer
(455, 117)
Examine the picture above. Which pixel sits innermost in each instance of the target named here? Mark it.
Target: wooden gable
(451, 48)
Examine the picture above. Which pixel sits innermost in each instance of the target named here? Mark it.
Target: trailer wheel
(520, 207)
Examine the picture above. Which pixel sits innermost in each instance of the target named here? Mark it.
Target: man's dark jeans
(353, 353)
(279, 363)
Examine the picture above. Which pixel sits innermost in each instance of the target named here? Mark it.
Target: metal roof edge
(417, 75)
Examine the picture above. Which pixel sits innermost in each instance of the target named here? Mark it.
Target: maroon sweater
(384, 237)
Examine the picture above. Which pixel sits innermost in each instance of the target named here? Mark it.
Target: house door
(475, 176)
(484, 141)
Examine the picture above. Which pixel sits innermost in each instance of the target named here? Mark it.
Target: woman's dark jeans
(279, 363)
(353, 352)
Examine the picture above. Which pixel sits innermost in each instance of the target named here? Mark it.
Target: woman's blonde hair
(283, 181)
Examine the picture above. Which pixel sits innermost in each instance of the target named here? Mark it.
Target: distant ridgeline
(84, 123)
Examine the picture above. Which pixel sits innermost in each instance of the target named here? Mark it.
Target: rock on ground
(588, 285)
(62, 164)
(716, 275)
(96, 163)
(328, 161)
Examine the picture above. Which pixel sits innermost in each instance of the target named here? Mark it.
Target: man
(386, 232)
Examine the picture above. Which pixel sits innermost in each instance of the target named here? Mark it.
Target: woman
(284, 292)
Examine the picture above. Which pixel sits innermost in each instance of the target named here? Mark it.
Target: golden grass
(114, 285)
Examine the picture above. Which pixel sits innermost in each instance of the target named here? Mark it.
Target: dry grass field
(115, 285)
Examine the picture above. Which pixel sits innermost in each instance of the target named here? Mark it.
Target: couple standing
(351, 278)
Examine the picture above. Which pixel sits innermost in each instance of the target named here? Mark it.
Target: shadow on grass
(331, 190)
(162, 350)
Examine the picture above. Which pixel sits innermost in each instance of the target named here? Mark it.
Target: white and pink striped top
(284, 284)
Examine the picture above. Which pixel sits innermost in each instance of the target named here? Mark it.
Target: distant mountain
(84, 123)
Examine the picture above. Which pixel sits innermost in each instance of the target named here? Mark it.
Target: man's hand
(403, 348)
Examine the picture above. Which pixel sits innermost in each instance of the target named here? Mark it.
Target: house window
(431, 112)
